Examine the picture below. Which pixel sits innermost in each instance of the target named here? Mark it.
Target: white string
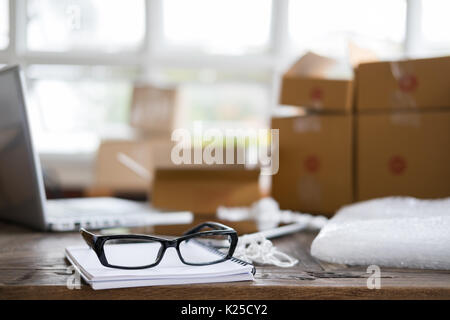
(261, 250)
(266, 212)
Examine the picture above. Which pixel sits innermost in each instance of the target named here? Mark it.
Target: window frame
(151, 52)
(6, 52)
(152, 55)
(274, 62)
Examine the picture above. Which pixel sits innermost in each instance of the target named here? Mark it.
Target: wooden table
(32, 266)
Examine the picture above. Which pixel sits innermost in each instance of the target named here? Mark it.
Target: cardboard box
(421, 83)
(316, 163)
(403, 154)
(203, 190)
(113, 175)
(308, 83)
(162, 157)
(155, 110)
(241, 227)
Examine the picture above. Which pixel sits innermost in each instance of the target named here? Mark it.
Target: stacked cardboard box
(112, 174)
(316, 162)
(403, 129)
(154, 114)
(310, 83)
(203, 189)
(126, 166)
(155, 111)
(395, 143)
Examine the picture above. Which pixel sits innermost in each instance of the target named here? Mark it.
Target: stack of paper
(170, 271)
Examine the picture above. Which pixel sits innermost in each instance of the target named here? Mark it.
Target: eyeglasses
(115, 251)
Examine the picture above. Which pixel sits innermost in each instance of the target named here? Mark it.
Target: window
(435, 27)
(85, 25)
(220, 98)
(4, 24)
(82, 57)
(226, 105)
(72, 101)
(326, 26)
(74, 98)
(216, 26)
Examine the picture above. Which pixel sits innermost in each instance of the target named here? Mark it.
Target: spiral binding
(235, 260)
(242, 262)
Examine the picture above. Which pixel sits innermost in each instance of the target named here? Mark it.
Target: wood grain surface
(32, 266)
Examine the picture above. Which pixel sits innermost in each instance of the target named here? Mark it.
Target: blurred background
(83, 58)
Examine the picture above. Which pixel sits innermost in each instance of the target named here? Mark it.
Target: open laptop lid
(22, 194)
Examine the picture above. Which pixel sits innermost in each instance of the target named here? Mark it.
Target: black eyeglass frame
(97, 243)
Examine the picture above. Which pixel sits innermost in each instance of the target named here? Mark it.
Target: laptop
(22, 193)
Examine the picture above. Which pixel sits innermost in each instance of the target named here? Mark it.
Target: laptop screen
(21, 189)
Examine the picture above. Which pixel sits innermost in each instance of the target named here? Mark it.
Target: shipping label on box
(316, 163)
(408, 84)
(403, 154)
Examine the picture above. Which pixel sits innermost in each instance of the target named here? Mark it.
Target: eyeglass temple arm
(88, 237)
(214, 225)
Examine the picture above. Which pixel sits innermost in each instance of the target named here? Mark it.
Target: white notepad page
(170, 271)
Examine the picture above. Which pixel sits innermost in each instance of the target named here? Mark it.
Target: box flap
(319, 83)
(358, 55)
(312, 65)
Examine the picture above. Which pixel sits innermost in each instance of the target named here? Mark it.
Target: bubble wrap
(392, 232)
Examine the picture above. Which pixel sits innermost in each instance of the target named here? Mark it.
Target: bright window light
(84, 105)
(226, 105)
(85, 25)
(217, 26)
(74, 100)
(436, 26)
(326, 26)
(4, 24)
(219, 98)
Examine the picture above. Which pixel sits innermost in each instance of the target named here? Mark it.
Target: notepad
(171, 271)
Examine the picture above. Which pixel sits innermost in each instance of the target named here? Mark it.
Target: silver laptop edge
(36, 220)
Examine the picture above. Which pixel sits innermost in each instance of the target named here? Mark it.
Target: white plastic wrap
(391, 232)
(266, 212)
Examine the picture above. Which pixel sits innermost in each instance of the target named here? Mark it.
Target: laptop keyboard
(95, 213)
